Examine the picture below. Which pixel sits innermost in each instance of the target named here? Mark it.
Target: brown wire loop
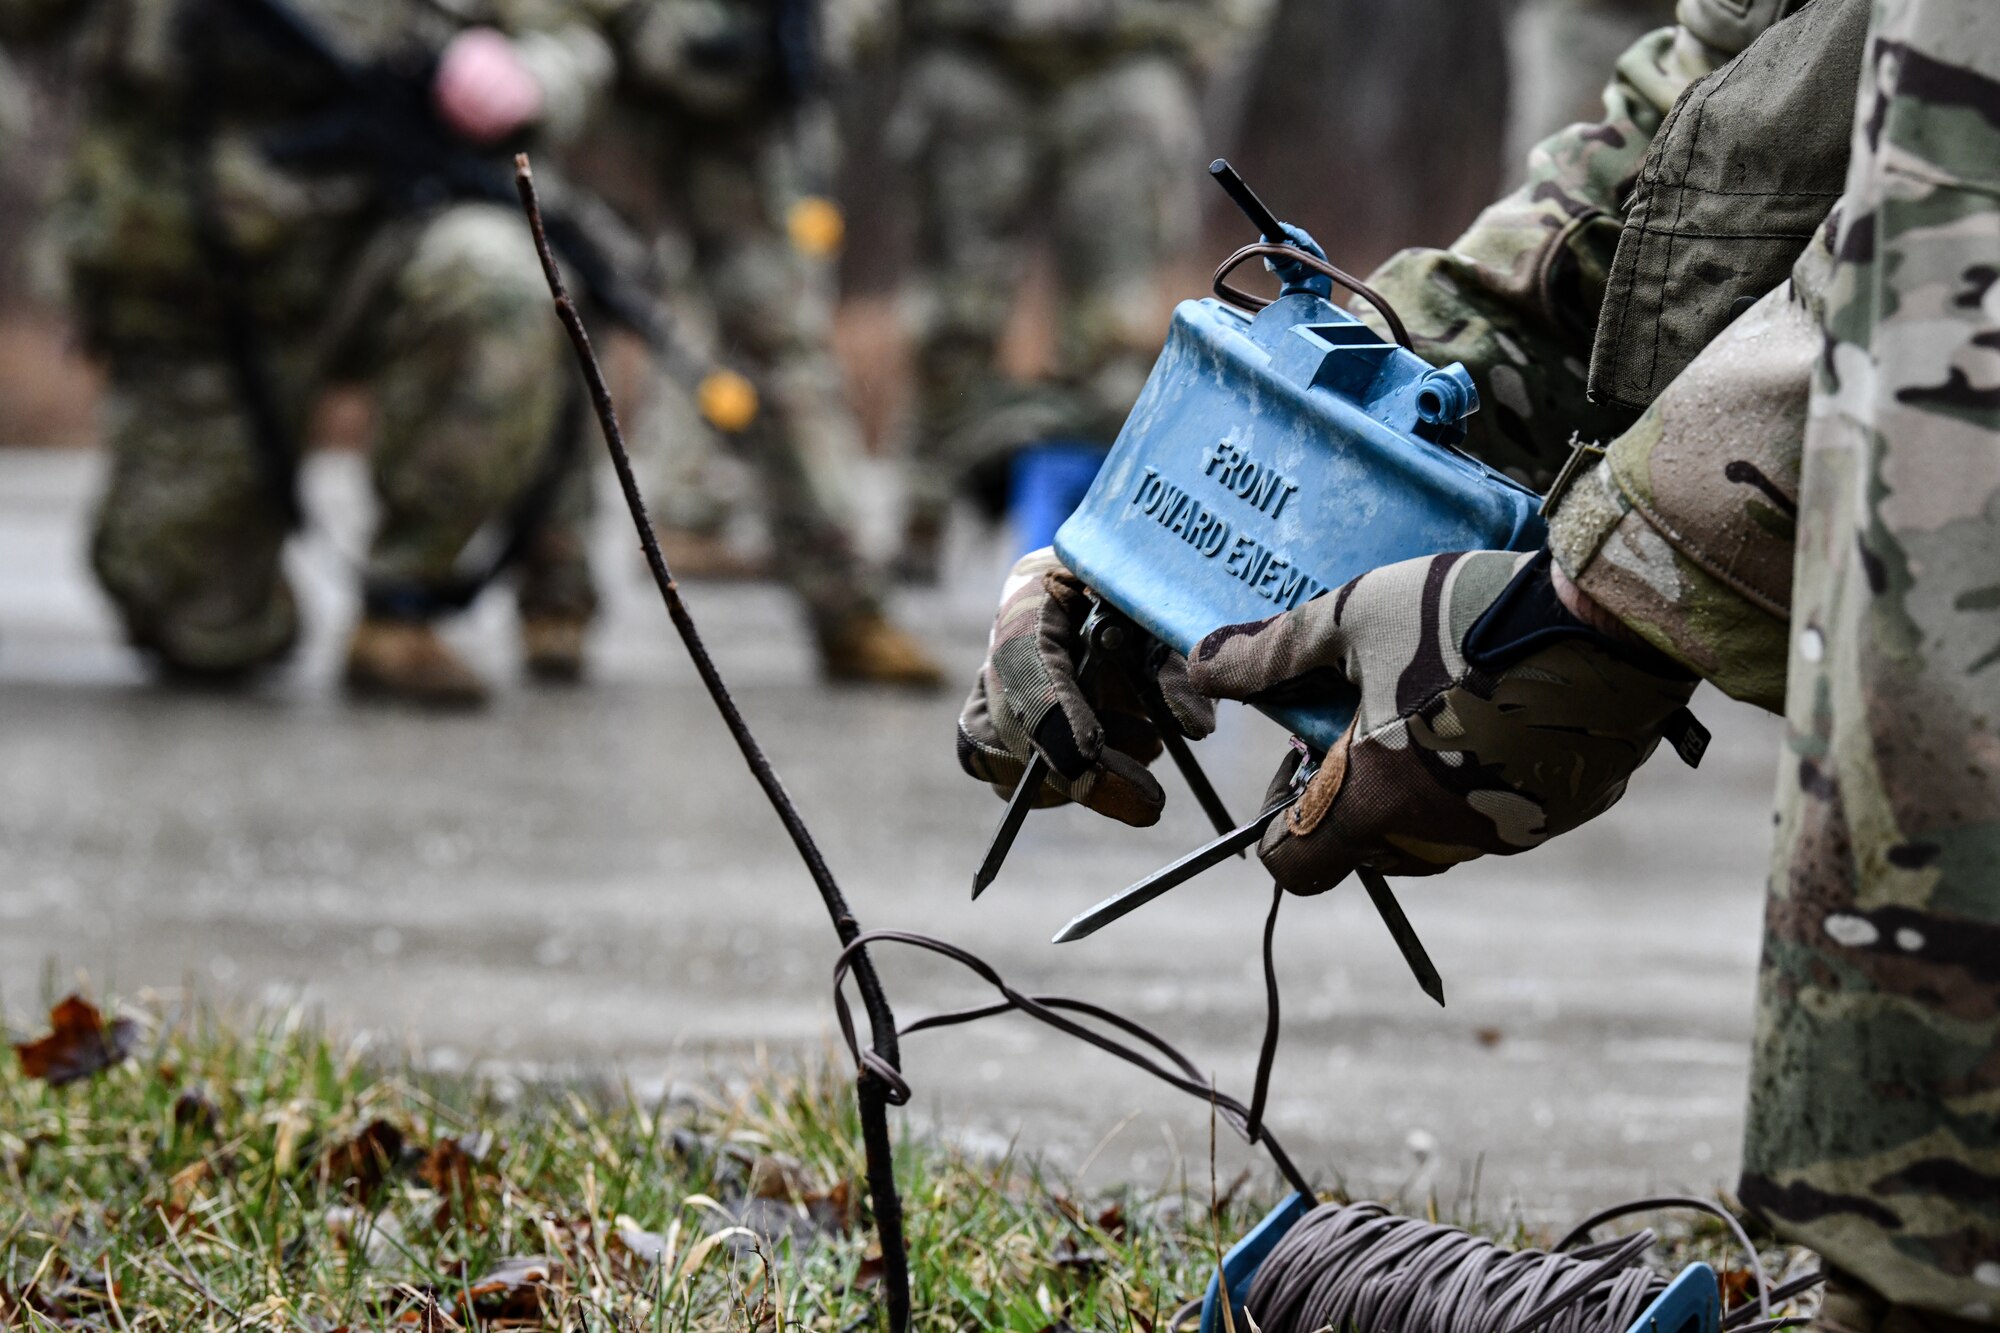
(1291, 254)
(895, 1089)
(1146, 1049)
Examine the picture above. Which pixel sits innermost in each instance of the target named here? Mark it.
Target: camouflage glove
(1491, 719)
(1027, 698)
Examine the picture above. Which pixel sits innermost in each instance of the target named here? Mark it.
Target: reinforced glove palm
(1490, 720)
(1098, 740)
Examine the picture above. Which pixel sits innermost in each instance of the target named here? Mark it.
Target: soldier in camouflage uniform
(1805, 511)
(1082, 117)
(731, 147)
(1871, 1134)
(182, 229)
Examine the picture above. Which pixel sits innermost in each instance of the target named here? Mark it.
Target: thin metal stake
(1018, 806)
(1191, 772)
(1401, 931)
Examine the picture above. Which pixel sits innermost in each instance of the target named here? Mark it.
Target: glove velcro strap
(1684, 731)
(1527, 617)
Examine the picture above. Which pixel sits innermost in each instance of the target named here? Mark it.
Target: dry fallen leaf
(1069, 1255)
(773, 1176)
(79, 1045)
(361, 1164)
(426, 1316)
(195, 1110)
(512, 1291)
(836, 1211)
(59, 1297)
(184, 1187)
(450, 1169)
(762, 1223)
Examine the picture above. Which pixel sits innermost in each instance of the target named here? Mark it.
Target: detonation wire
(1359, 1266)
(1291, 254)
(1050, 1009)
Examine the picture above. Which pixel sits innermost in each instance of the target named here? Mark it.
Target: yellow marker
(816, 226)
(728, 400)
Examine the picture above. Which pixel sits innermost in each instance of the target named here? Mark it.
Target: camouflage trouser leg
(774, 312)
(554, 577)
(1874, 1124)
(691, 485)
(1129, 166)
(966, 131)
(189, 533)
(1117, 150)
(470, 382)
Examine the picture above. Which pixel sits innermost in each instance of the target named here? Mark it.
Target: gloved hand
(1027, 698)
(1491, 719)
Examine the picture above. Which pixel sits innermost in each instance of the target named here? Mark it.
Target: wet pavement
(588, 878)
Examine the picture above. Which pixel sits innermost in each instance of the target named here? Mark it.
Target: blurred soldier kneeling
(231, 255)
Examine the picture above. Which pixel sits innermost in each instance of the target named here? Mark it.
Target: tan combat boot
(552, 648)
(1850, 1306)
(408, 661)
(867, 648)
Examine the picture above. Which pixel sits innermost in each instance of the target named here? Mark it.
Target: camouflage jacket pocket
(1734, 187)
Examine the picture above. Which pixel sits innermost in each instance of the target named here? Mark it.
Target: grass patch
(259, 1173)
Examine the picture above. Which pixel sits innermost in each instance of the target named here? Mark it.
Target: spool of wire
(1358, 1266)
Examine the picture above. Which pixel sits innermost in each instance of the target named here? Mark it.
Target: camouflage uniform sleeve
(1516, 297)
(1684, 531)
(1871, 1133)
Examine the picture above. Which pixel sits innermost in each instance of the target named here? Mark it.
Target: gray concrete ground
(589, 878)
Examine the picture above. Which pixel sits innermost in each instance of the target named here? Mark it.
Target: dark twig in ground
(874, 1092)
